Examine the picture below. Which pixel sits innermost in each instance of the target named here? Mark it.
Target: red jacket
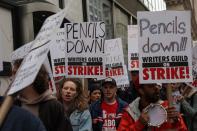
(127, 123)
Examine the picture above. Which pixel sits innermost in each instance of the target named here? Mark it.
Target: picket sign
(58, 59)
(114, 62)
(37, 53)
(123, 81)
(84, 50)
(52, 86)
(164, 39)
(133, 54)
(21, 52)
(30, 67)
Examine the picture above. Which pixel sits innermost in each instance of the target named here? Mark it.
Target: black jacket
(19, 119)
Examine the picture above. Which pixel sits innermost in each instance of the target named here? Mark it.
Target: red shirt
(109, 116)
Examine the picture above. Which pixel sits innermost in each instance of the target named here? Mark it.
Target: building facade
(186, 5)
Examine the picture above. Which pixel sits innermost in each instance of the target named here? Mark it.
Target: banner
(30, 67)
(133, 55)
(165, 46)
(84, 49)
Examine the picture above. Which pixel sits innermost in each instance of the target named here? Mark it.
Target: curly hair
(80, 101)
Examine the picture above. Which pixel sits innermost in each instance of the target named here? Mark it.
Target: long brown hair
(81, 100)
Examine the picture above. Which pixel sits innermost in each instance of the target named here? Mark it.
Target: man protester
(136, 118)
(107, 112)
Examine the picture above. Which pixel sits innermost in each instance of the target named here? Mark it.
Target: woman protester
(76, 104)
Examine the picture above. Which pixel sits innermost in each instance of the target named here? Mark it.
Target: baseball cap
(109, 80)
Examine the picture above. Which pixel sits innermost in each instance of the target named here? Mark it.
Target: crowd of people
(103, 107)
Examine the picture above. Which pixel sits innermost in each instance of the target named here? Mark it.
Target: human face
(69, 91)
(95, 95)
(151, 92)
(109, 91)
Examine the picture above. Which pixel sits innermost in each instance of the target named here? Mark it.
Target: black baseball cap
(109, 80)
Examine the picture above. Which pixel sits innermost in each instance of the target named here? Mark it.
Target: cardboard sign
(114, 62)
(123, 81)
(133, 55)
(52, 86)
(30, 67)
(21, 52)
(165, 47)
(50, 25)
(84, 51)
(114, 59)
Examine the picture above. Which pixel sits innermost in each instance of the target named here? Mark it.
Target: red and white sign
(84, 50)
(165, 46)
(57, 51)
(133, 54)
(52, 86)
(114, 62)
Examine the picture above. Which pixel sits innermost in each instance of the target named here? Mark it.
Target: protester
(136, 118)
(19, 119)
(76, 104)
(37, 99)
(188, 102)
(175, 95)
(129, 93)
(94, 92)
(107, 111)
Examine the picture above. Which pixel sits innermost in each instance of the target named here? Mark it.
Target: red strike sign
(194, 83)
(114, 72)
(134, 64)
(80, 70)
(180, 72)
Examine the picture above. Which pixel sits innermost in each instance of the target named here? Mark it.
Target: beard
(153, 98)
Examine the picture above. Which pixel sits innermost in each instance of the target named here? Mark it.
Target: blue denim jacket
(81, 121)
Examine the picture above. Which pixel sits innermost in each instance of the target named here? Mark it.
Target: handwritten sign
(30, 67)
(114, 59)
(165, 47)
(84, 49)
(114, 62)
(133, 55)
(21, 52)
(122, 81)
(50, 25)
